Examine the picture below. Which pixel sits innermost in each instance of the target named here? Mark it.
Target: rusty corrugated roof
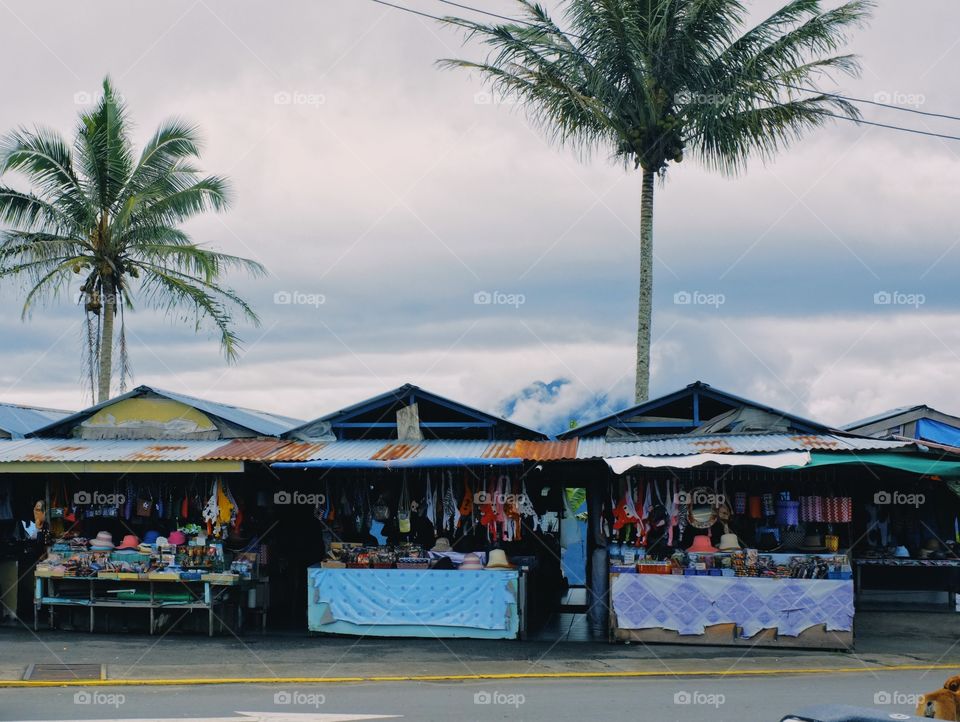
(547, 450)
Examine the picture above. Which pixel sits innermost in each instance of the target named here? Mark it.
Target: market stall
(190, 558)
(427, 552)
(733, 555)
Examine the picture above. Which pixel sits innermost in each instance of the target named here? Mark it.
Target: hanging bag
(403, 509)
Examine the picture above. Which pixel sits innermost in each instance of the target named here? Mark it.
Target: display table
(936, 574)
(484, 604)
(147, 593)
(732, 610)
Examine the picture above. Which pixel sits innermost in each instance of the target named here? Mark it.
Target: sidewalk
(884, 640)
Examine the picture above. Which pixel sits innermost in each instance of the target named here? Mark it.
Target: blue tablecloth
(403, 597)
(688, 604)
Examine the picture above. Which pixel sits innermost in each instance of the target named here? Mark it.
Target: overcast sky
(394, 192)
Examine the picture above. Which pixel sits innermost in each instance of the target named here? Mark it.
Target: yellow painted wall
(163, 418)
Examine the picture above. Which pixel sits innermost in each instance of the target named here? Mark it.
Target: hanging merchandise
(449, 503)
(740, 502)
(768, 506)
(211, 512)
(145, 505)
(466, 503)
(403, 508)
(431, 502)
(756, 507)
(788, 512)
(380, 510)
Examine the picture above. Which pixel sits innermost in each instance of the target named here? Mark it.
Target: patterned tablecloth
(447, 598)
(688, 605)
(901, 562)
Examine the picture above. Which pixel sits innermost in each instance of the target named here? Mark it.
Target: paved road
(663, 700)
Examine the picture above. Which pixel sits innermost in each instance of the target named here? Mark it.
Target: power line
(457, 21)
(868, 102)
(891, 127)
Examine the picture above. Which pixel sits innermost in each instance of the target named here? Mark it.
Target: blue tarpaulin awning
(938, 432)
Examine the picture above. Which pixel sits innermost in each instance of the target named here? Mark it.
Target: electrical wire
(858, 121)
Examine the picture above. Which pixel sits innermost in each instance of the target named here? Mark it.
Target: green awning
(904, 462)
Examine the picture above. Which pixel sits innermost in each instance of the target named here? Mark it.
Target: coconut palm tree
(101, 218)
(652, 81)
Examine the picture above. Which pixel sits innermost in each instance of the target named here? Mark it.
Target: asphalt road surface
(660, 700)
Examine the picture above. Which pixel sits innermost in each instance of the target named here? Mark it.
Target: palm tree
(99, 215)
(654, 80)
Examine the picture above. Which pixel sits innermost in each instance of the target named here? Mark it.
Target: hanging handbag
(403, 510)
(380, 510)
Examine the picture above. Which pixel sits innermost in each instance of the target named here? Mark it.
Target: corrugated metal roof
(75, 450)
(380, 450)
(18, 420)
(246, 449)
(598, 447)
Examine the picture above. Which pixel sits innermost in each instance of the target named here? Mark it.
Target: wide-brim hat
(702, 544)
(812, 543)
(497, 559)
(103, 540)
(768, 542)
(470, 562)
(442, 545)
(162, 541)
(130, 541)
(151, 537)
(728, 542)
(177, 538)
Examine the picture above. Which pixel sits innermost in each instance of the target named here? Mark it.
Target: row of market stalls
(703, 517)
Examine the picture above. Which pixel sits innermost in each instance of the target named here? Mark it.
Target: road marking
(188, 682)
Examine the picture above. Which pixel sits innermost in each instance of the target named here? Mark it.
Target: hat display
(442, 545)
(497, 559)
(901, 552)
(702, 544)
(150, 538)
(177, 538)
(812, 543)
(443, 563)
(768, 542)
(130, 543)
(728, 542)
(471, 562)
(103, 541)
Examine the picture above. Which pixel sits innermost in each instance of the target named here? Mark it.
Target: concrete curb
(199, 681)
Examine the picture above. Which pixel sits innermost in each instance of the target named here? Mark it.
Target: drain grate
(64, 672)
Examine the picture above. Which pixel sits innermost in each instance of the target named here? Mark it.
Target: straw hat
(471, 562)
(498, 560)
(728, 542)
(103, 541)
(702, 544)
(442, 545)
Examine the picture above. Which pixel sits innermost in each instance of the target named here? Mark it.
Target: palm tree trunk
(645, 305)
(105, 365)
